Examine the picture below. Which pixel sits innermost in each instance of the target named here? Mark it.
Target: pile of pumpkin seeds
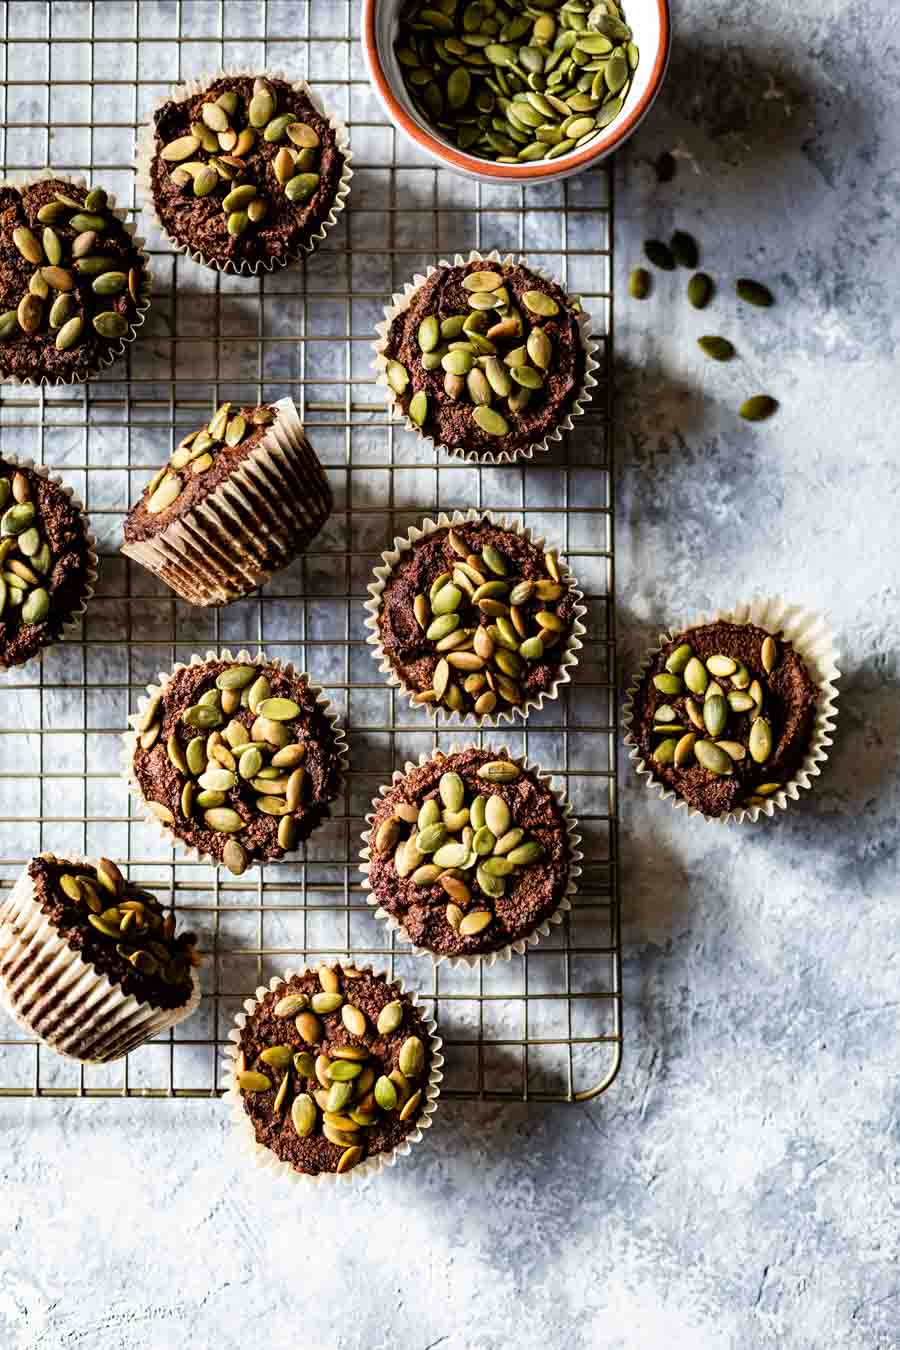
(69, 250)
(475, 615)
(466, 843)
(516, 81)
(228, 128)
(342, 1094)
(718, 716)
(263, 763)
(196, 454)
(133, 919)
(494, 355)
(682, 251)
(25, 554)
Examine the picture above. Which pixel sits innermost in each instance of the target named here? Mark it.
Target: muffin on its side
(245, 171)
(74, 283)
(91, 963)
(724, 715)
(239, 759)
(333, 1069)
(487, 358)
(49, 565)
(471, 855)
(239, 499)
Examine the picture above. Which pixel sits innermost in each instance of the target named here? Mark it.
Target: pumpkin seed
(715, 715)
(224, 820)
(758, 408)
(326, 1001)
(683, 246)
(411, 1059)
(667, 684)
(717, 348)
(475, 922)
(696, 676)
(386, 1093)
(677, 660)
(389, 1019)
(111, 324)
(499, 771)
(250, 1081)
(290, 1005)
(490, 422)
(700, 290)
(713, 758)
(303, 1114)
(309, 1028)
(639, 283)
(659, 254)
(760, 743)
(754, 293)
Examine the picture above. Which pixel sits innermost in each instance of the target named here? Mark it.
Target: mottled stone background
(738, 1185)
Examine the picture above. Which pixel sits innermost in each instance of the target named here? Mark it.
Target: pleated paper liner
(68, 623)
(369, 1167)
(814, 643)
(129, 739)
(253, 523)
(54, 994)
(504, 713)
(519, 946)
(113, 351)
(146, 152)
(402, 300)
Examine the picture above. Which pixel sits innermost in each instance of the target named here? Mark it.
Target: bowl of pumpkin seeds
(516, 90)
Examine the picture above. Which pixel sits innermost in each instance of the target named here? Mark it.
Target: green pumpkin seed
(429, 334)
(758, 408)
(250, 1081)
(683, 246)
(684, 750)
(224, 820)
(720, 665)
(538, 302)
(386, 1094)
(760, 743)
(499, 771)
(9, 323)
(411, 1060)
(303, 1114)
(70, 332)
(717, 348)
(712, 758)
(110, 324)
(525, 854)
(490, 422)
(639, 283)
(397, 376)
(442, 627)
(715, 715)
(700, 290)
(754, 293)
(667, 684)
(452, 791)
(696, 676)
(301, 188)
(739, 701)
(678, 659)
(389, 1019)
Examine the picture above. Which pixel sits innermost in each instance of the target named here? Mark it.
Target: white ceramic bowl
(650, 23)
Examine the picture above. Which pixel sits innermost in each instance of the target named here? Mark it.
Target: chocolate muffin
(252, 467)
(246, 172)
(73, 283)
(476, 618)
(47, 557)
(239, 759)
(90, 962)
(469, 853)
(486, 358)
(724, 715)
(333, 1069)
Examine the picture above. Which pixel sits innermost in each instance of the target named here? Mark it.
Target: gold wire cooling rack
(79, 80)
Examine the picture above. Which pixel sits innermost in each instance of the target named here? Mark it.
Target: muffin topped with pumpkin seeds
(486, 357)
(198, 464)
(333, 1068)
(239, 759)
(246, 171)
(476, 619)
(117, 927)
(48, 563)
(73, 283)
(469, 852)
(724, 715)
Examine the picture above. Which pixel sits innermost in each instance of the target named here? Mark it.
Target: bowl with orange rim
(386, 25)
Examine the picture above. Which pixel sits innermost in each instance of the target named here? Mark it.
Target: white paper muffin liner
(246, 529)
(130, 740)
(507, 712)
(113, 351)
(264, 1157)
(401, 300)
(531, 939)
(145, 154)
(69, 624)
(54, 994)
(813, 642)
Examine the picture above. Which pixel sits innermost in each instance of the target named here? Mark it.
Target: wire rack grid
(79, 80)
